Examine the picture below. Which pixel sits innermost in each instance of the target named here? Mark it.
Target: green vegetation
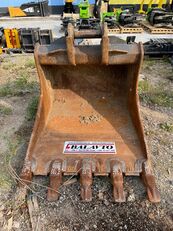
(23, 78)
(4, 110)
(156, 95)
(12, 147)
(20, 79)
(5, 90)
(143, 86)
(8, 66)
(5, 181)
(152, 61)
(19, 86)
(30, 64)
(162, 98)
(32, 108)
(168, 127)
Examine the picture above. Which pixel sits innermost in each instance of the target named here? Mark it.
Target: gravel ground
(69, 213)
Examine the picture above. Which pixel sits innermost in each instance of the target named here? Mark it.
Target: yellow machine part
(150, 4)
(1, 51)
(125, 2)
(160, 3)
(70, 1)
(16, 12)
(116, 9)
(141, 11)
(12, 38)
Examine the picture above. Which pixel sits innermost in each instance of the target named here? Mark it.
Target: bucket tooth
(117, 182)
(55, 181)
(149, 180)
(26, 173)
(86, 180)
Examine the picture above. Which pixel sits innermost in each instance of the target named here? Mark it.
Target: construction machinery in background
(159, 17)
(121, 19)
(2, 39)
(159, 47)
(126, 17)
(14, 40)
(101, 11)
(156, 16)
(88, 121)
(68, 7)
(120, 16)
(86, 21)
(68, 15)
(68, 18)
(39, 8)
(36, 8)
(100, 7)
(141, 8)
(110, 19)
(83, 20)
(9, 40)
(16, 12)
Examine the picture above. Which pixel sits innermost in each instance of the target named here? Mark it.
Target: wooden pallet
(155, 30)
(132, 30)
(71, 15)
(114, 30)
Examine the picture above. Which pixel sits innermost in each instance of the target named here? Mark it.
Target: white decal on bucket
(88, 147)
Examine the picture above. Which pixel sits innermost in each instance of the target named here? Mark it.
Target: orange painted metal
(89, 93)
(16, 12)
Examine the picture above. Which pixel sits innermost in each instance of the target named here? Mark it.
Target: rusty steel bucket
(88, 120)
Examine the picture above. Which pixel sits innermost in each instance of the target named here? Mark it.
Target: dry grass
(30, 64)
(32, 108)
(4, 110)
(19, 86)
(167, 126)
(156, 95)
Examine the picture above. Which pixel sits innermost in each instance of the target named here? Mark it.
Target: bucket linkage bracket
(105, 45)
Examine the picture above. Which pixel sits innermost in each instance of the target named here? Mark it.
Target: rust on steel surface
(117, 181)
(55, 180)
(89, 93)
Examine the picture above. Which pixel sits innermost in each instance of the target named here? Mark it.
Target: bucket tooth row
(89, 95)
(86, 173)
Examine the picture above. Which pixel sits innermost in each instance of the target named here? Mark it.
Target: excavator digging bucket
(88, 120)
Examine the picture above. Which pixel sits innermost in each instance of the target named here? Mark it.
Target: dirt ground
(19, 92)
